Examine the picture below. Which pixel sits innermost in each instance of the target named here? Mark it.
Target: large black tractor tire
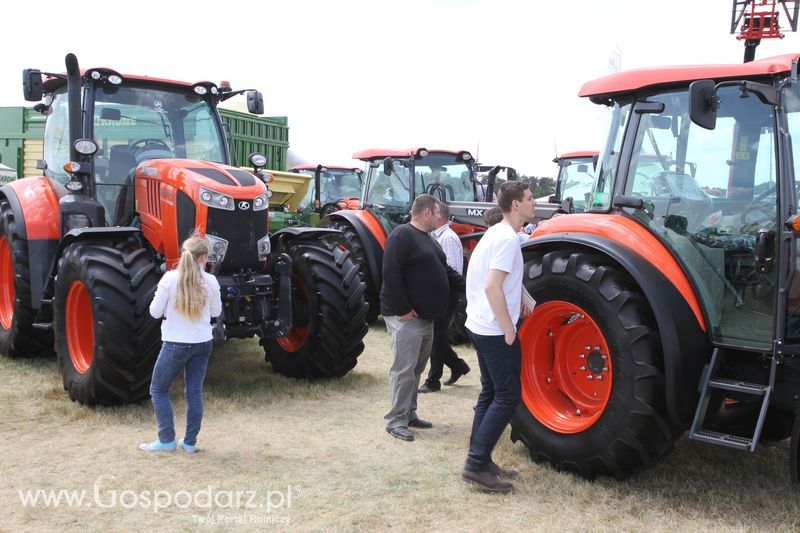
(329, 314)
(352, 242)
(585, 301)
(18, 338)
(106, 341)
(457, 330)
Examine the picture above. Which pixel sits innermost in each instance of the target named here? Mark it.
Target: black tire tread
(21, 339)
(352, 242)
(337, 326)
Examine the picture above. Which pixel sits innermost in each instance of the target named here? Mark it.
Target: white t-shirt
(177, 327)
(499, 249)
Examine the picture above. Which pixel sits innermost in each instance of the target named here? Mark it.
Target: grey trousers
(411, 346)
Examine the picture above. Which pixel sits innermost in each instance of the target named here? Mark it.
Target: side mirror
(702, 103)
(387, 166)
(32, 85)
(255, 102)
(110, 114)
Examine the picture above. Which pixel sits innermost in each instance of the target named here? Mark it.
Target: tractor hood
(189, 175)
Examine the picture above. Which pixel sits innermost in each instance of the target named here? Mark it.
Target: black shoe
(503, 473)
(486, 481)
(430, 386)
(419, 424)
(455, 374)
(400, 433)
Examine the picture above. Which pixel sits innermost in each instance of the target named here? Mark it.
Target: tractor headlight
(217, 248)
(216, 199)
(260, 202)
(85, 146)
(264, 248)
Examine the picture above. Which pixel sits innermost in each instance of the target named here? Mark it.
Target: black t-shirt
(416, 275)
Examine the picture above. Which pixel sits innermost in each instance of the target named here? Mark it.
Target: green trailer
(22, 134)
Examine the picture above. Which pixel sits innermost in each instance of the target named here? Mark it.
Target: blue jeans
(499, 397)
(193, 360)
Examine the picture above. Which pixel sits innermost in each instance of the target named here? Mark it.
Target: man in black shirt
(415, 291)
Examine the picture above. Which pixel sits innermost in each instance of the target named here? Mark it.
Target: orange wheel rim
(6, 284)
(566, 367)
(79, 327)
(296, 338)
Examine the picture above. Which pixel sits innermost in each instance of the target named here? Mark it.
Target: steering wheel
(752, 204)
(329, 208)
(147, 144)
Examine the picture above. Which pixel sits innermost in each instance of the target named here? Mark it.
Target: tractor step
(738, 386)
(43, 325)
(731, 441)
(710, 381)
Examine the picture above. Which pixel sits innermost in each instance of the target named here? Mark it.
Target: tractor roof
(309, 166)
(632, 80)
(52, 83)
(377, 153)
(575, 155)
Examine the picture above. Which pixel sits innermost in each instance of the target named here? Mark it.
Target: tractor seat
(120, 164)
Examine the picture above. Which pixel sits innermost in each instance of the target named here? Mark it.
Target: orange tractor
(132, 167)
(673, 302)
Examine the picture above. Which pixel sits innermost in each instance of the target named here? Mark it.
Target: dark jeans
(193, 360)
(499, 397)
(441, 351)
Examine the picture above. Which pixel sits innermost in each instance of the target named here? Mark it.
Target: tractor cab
(130, 119)
(716, 192)
(575, 180)
(333, 188)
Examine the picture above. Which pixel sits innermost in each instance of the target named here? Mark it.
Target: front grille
(242, 228)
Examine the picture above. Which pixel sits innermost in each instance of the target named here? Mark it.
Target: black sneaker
(430, 386)
(455, 374)
(400, 433)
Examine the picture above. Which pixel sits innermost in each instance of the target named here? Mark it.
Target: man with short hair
(494, 305)
(415, 292)
(442, 353)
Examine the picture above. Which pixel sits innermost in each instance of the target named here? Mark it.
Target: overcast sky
(497, 78)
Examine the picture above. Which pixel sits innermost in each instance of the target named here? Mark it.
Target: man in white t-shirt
(494, 305)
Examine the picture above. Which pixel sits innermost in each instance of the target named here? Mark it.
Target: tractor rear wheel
(18, 338)
(592, 379)
(352, 243)
(329, 314)
(106, 340)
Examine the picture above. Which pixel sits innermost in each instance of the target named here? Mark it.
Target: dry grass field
(315, 456)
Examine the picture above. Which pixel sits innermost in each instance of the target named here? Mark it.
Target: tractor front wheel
(592, 380)
(106, 340)
(328, 311)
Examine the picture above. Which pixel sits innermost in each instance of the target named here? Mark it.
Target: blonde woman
(186, 298)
